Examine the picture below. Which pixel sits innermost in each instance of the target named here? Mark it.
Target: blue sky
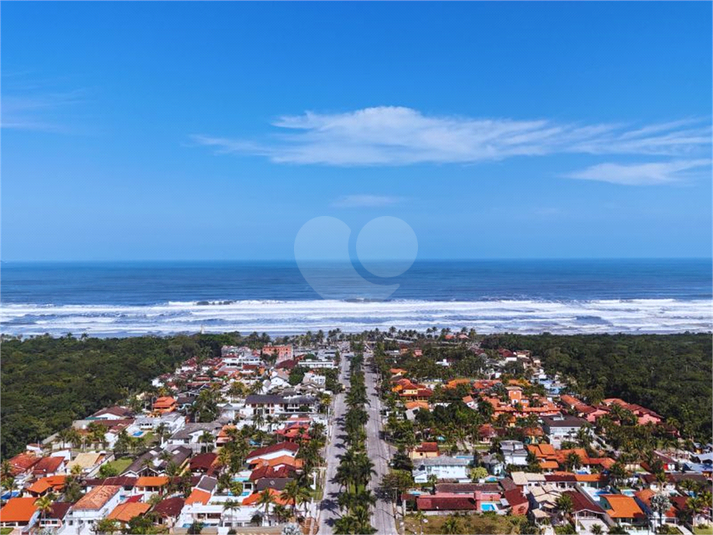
(217, 130)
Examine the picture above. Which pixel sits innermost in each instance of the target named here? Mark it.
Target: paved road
(380, 453)
(329, 509)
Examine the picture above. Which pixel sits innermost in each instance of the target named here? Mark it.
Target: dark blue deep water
(494, 295)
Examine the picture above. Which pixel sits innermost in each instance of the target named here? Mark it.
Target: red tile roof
(47, 465)
(287, 446)
(445, 503)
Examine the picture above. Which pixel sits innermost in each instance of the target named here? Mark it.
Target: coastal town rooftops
(198, 496)
(22, 462)
(446, 503)
(275, 399)
(120, 412)
(267, 450)
(170, 507)
(277, 483)
(85, 460)
(442, 461)
(152, 481)
(524, 478)
(466, 488)
(622, 506)
(563, 420)
(97, 497)
(124, 512)
(207, 484)
(47, 465)
(580, 503)
(59, 510)
(18, 510)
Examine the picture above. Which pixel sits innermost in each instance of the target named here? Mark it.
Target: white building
(441, 467)
(92, 507)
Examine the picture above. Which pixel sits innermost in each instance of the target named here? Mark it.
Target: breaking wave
(290, 317)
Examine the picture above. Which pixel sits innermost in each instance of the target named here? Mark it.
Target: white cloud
(402, 136)
(38, 111)
(366, 201)
(642, 174)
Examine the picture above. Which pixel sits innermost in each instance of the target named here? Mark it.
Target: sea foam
(290, 317)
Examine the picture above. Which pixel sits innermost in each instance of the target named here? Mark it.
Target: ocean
(523, 296)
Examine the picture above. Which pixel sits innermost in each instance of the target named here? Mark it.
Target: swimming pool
(488, 507)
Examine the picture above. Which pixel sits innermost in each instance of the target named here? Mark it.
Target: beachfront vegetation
(49, 382)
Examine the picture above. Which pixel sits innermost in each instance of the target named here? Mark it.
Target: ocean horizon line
(334, 261)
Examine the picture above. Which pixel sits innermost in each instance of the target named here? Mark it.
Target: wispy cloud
(366, 201)
(643, 174)
(403, 136)
(40, 111)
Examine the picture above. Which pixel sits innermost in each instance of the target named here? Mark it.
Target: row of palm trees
(355, 468)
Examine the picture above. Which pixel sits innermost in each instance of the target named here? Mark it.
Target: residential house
(425, 450)
(92, 507)
(19, 512)
(624, 510)
(514, 452)
(561, 428)
(442, 468)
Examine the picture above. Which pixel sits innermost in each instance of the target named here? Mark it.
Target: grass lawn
(5, 531)
(472, 524)
(120, 464)
(703, 530)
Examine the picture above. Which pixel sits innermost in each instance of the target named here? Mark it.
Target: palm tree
(573, 461)
(206, 439)
(232, 506)
(282, 513)
(265, 500)
(162, 432)
(564, 505)
(294, 493)
(44, 504)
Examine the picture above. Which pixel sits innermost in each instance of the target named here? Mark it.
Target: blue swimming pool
(485, 507)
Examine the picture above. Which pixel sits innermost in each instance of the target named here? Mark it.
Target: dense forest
(670, 374)
(48, 382)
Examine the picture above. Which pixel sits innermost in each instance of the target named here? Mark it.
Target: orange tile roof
(589, 478)
(417, 405)
(49, 482)
(164, 402)
(255, 496)
(282, 459)
(622, 506)
(18, 510)
(126, 511)
(198, 496)
(547, 449)
(549, 465)
(39, 486)
(152, 481)
(455, 382)
(97, 497)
